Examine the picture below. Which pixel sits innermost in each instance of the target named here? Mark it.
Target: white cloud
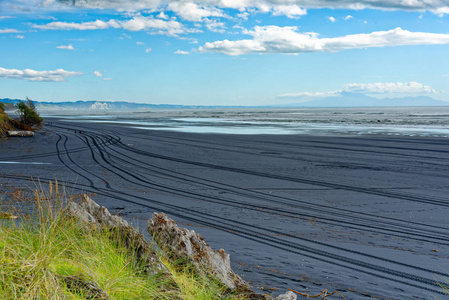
(124, 36)
(148, 50)
(8, 30)
(21, 37)
(6, 17)
(139, 43)
(332, 19)
(291, 8)
(244, 15)
(388, 87)
(98, 74)
(66, 47)
(32, 75)
(95, 25)
(215, 26)
(274, 39)
(191, 11)
(368, 88)
(137, 23)
(181, 52)
(311, 95)
(348, 17)
(163, 16)
(107, 79)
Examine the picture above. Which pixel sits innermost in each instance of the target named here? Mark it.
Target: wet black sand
(357, 214)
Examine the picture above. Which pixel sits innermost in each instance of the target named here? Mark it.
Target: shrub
(20, 125)
(28, 114)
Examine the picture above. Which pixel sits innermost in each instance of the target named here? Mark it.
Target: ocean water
(402, 121)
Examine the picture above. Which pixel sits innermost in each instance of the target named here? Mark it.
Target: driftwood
(18, 133)
(287, 296)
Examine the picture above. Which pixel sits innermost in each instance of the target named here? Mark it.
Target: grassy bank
(46, 254)
(5, 121)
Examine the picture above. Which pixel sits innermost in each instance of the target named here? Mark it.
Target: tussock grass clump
(41, 252)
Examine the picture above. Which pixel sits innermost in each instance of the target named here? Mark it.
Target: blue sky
(222, 52)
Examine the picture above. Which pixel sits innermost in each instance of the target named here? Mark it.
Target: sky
(222, 52)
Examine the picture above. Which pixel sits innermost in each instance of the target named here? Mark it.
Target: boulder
(182, 245)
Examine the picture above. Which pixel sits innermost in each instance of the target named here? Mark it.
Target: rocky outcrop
(182, 245)
(91, 213)
(19, 133)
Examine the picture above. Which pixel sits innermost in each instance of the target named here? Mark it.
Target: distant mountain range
(94, 105)
(345, 99)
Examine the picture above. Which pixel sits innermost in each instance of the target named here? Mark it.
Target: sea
(399, 121)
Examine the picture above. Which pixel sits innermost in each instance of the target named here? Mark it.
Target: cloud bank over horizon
(377, 88)
(224, 51)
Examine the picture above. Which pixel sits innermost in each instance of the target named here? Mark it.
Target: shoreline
(297, 211)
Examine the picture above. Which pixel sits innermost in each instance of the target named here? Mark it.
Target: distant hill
(345, 99)
(95, 105)
(361, 100)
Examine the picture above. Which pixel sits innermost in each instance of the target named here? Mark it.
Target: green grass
(4, 122)
(38, 250)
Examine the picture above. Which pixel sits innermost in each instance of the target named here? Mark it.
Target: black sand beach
(364, 215)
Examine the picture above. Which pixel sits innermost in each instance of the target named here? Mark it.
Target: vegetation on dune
(28, 114)
(29, 118)
(47, 254)
(5, 120)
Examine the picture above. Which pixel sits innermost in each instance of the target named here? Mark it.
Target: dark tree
(28, 114)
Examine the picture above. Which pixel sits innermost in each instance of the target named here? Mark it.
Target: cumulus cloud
(148, 50)
(95, 25)
(137, 23)
(348, 17)
(215, 26)
(191, 11)
(274, 39)
(290, 8)
(181, 52)
(388, 87)
(66, 47)
(32, 75)
(8, 30)
(162, 15)
(332, 19)
(98, 74)
(20, 37)
(292, 11)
